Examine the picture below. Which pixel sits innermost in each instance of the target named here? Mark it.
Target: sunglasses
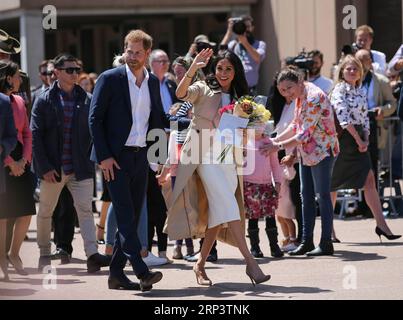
(47, 73)
(71, 70)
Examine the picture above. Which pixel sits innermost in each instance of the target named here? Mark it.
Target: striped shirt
(183, 113)
(68, 103)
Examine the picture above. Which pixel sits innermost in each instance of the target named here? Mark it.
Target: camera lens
(239, 27)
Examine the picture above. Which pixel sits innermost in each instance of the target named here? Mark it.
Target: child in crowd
(285, 212)
(261, 189)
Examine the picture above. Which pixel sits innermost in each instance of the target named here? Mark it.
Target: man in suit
(125, 106)
(61, 144)
(43, 75)
(159, 63)
(8, 141)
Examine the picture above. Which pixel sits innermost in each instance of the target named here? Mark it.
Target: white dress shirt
(323, 83)
(379, 62)
(166, 98)
(141, 107)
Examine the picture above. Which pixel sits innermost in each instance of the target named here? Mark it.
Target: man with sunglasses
(61, 141)
(43, 75)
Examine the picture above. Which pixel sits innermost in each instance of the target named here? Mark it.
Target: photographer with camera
(200, 43)
(246, 47)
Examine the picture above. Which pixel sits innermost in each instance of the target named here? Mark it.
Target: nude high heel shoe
(17, 264)
(201, 277)
(256, 279)
(4, 270)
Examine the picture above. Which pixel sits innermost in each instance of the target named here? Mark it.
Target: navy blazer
(111, 113)
(8, 134)
(172, 91)
(47, 133)
(400, 106)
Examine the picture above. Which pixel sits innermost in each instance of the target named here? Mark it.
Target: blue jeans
(142, 229)
(316, 180)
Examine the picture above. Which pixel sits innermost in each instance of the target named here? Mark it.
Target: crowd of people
(55, 139)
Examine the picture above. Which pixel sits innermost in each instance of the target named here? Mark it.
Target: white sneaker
(163, 254)
(151, 260)
(291, 246)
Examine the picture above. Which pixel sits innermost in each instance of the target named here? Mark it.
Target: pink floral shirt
(314, 124)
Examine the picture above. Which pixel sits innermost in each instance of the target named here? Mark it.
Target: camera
(203, 45)
(239, 26)
(350, 49)
(303, 61)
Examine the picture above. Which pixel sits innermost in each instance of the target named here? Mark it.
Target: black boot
(305, 247)
(254, 243)
(274, 248)
(325, 248)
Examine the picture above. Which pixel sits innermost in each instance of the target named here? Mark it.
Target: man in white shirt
(314, 74)
(364, 37)
(126, 105)
(396, 64)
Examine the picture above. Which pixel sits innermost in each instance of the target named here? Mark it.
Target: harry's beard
(135, 65)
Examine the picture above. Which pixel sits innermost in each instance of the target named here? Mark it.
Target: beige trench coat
(384, 98)
(187, 204)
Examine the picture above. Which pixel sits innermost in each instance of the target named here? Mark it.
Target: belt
(133, 148)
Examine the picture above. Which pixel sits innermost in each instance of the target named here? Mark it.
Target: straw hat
(8, 44)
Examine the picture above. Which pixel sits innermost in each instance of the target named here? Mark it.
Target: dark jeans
(128, 193)
(295, 187)
(157, 213)
(316, 180)
(64, 220)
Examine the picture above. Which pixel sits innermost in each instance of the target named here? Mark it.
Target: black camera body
(239, 26)
(350, 49)
(203, 45)
(303, 61)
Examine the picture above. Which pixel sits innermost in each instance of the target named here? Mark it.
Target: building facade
(94, 30)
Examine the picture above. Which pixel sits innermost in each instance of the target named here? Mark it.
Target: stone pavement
(361, 268)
